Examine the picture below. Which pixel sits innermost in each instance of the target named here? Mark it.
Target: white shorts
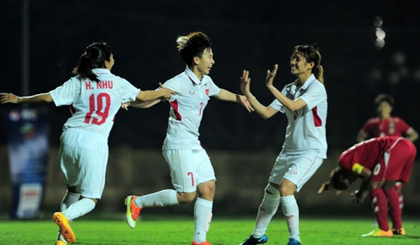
(83, 161)
(189, 168)
(296, 168)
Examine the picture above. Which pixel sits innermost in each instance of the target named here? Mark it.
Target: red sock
(394, 208)
(398, 189)
(380, 208)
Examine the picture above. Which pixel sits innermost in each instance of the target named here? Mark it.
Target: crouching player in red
(380, 162)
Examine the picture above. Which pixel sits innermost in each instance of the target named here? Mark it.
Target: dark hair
(94, 57)
(384, 98)
(341, 179)
(192, 45)
(311, 54)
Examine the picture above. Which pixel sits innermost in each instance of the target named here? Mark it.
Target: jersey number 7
(100, 105)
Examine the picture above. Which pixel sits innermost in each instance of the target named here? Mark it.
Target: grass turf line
(222, 232)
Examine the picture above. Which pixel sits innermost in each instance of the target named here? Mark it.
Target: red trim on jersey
(191, 80)
(317, 119)
(174, 105)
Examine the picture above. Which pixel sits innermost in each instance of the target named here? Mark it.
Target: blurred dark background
(251, 35)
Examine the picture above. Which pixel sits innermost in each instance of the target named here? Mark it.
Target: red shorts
(396, 164)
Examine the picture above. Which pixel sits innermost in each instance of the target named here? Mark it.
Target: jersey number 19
(100, 105)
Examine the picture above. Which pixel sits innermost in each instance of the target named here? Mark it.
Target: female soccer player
(385, 124)
(305, 104)
(94, 95)
(380, 162)
(190, 166)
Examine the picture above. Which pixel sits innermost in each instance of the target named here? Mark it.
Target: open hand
(245, 82)
(244, 101)
(8, 98)
(271, 75)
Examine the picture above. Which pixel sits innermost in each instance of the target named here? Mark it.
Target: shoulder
(315, 84)
(208, 79)
(397, 119)
(373, 120)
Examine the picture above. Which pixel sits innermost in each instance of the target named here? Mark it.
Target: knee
(186, 197)
(208, 188)
(287, 189)
(95, 200)
(272, 190)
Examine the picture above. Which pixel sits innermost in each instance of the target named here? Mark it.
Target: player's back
(94, 103)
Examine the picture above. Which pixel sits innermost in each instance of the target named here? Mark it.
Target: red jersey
(392, 126)
(389, 158)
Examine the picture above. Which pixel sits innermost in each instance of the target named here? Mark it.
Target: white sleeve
(174, 85)
(276, 104)
(213, 88)
(314, 95)
(64, 94)
(129, 91)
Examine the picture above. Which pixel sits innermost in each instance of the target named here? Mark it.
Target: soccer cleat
(252, 240)
(65, 228)
(400, 231)
(203, 243)
(133, 211)
(293, 241)
(379, 233)
(59, 242)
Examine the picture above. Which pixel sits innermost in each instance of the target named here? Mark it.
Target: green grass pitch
(222, 232)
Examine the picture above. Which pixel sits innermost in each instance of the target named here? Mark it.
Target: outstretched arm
(292, 105)
(14, 99)
(229, 96)
(161, 93)
(140, 104)
(263, 111)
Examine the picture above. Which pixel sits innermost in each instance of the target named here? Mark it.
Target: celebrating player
(380, 162)
(305, 104)
(94, 95)
(190, 167)
(385, 124)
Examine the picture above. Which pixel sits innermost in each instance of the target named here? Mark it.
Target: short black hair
(192, 45)
(384, 98)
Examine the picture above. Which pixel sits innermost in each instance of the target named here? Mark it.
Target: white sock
(291, 212)
(202, 214)
(79, 208)
(267, 210)
(158, 199)
(68, 199)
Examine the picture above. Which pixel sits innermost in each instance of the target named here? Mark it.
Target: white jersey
(94, 104)
(187, 107)
(305, 131)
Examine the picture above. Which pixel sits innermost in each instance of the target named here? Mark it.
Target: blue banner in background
(27, 135)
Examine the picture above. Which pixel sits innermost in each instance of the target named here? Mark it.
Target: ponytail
(319, 73)
(94, 57)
